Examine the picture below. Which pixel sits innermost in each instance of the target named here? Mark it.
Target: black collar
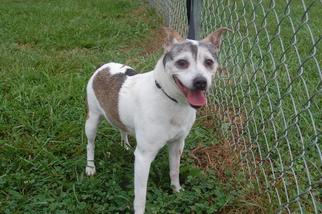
(159, 87)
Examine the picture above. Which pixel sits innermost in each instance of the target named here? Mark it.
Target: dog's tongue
(196, 98)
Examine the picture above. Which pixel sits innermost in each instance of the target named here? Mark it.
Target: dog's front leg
(143, 160)
(175, 151)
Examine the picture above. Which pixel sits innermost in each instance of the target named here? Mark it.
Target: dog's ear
(215, 37)
(172, 37)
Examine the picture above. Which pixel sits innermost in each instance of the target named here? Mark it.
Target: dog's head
(191, 64)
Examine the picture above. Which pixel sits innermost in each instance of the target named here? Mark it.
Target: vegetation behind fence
(267, 91)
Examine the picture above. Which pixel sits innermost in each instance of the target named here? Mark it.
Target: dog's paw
(176, 188)
(90, 170)
(126, 145)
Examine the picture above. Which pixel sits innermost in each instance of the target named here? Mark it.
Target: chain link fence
(267, 93)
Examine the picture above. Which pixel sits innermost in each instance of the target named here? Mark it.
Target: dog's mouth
(196, 98)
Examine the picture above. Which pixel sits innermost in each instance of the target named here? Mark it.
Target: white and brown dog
(157, 107)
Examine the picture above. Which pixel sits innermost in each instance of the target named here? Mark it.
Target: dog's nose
(200, 83)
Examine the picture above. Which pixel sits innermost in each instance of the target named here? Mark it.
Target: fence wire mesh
(268, 92)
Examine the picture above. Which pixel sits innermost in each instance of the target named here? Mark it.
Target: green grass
(48, 51)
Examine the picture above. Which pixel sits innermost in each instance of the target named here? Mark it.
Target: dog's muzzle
(196, 96)
(199, 83)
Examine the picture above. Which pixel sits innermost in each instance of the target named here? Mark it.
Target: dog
(158, 107)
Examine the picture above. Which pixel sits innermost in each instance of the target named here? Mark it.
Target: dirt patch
(219, 157)
(250, 203)
(150, 45)
(223, 157)
(24, 46)
(214, 116)
(154, 42)
(139, 11)
(224, 74)
(234, 148)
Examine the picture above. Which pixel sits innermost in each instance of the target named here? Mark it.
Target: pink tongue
(196, 98)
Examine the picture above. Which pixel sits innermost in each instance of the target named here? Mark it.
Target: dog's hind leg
(125, 142)
(175, 151)
(91, 124)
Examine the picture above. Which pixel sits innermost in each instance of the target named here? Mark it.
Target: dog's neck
(166, 82)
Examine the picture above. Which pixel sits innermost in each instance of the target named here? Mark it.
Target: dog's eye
(209, 62)
(182, 63)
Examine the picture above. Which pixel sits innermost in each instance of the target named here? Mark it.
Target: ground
(48, 51)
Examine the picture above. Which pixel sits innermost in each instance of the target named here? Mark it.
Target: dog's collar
(159, 87)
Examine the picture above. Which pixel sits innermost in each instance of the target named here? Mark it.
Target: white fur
(114, 68)
(151, 117)
(149, 114)
(95, 113)
(155, 120)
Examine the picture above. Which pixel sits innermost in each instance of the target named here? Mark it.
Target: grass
(48, 51)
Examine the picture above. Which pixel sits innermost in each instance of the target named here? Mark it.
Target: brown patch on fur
(106, 88)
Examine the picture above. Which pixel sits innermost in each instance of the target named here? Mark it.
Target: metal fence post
(194, 14)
